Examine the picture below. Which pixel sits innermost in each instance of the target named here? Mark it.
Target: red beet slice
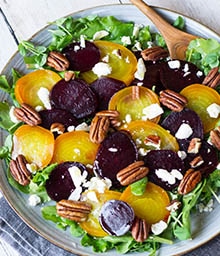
(175, 119)
(52, 116)
(178, 78)
(104, 88)
(167, 160)
(74, 96)
(116, 152)
(116, 217)
(60, 184)
(82, 58)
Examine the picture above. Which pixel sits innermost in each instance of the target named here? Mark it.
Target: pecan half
(57, 61)
(194, 146)
(113, 116)
(173, 100)
(19, 170)
(213, 78)
(99, 128)
(140, 230)
(197, 161)
(154, 53)
(27, 114)
(57, 128)
(73, 210)
(215, 137)
(189, 181)
(69, 75)
(132, 173)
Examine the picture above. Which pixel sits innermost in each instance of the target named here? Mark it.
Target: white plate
(205, 226)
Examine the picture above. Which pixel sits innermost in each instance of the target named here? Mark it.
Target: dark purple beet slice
(82, 58)
(178, 78)
(116, 217)
(115, 153)
(152, 76)
(104, 88)
(60, 184)
(74, 96)
(209, 157)
(167, 160)
(55, 115)
(175, 119)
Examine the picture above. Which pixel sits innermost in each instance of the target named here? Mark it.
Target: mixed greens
(205, 53)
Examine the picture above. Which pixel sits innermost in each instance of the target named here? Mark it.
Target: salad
(116, 141)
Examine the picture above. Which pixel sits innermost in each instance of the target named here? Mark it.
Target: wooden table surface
(20, 19)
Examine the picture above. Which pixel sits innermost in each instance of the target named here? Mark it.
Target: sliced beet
(116, 152)
(104, 88)
(74, 96)
(208, 156)
(116, 217)
(175, 119)
(167, 160)
(50, 116)
(82, 58)
(177, 74)
(60, 184)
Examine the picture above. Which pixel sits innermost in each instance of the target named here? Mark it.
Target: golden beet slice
(75, 146)
(27, 87)
(35, 143)
(150, 206)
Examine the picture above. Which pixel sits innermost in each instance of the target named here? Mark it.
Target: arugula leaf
(179, 23)
(204, 53)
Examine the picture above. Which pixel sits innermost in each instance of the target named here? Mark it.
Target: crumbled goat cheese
(213, 110)
(126, 40)
(77, 177)
(184, 131)
(186, 74)
(71, 128)
(76, 48)
(143, 151)
(174, 64)
(137, 46)
(82, 41)
(158, 227)
(82, 127)
(174, 206)
(75, 195)
(186, 68)
(100, 34)
(117, 53)
(169, 177)
(136, 30)
(32, 167)
(206, 208)
(102, 69)
(39, 108)
(44, 95)
(141, 69)
(105, 58)
(98, 184)
(34, 200)
(113, 150)
(128, 118)
(151, 111)
(91, 195)
(182, 154)
(12, 115)
(199, 73)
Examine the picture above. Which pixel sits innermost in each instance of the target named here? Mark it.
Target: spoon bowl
(177, 41)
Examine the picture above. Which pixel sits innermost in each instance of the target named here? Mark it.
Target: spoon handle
(162, 25)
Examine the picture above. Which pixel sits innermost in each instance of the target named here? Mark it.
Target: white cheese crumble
(137, 46)
(82, 127)
(113, 150)
(126, 40)
(100, 185)
(184, 131)
(136, 30)
(77, 177)
(32, 167)
(105, 58)
(151, 111)
(82, 41)
(182, 154)
(44, 95)
(12, 115)
(199, 73)
(76, 48)
(34, 200)
(141, 69)
(128, 118)
(158, 227)
(100, 34)
(117, 53)
(169, 177)
(75, 195)
(174, 64)
(186, 68)
(213, 110)
(102, 69)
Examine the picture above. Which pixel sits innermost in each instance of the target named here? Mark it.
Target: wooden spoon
(177, 41)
